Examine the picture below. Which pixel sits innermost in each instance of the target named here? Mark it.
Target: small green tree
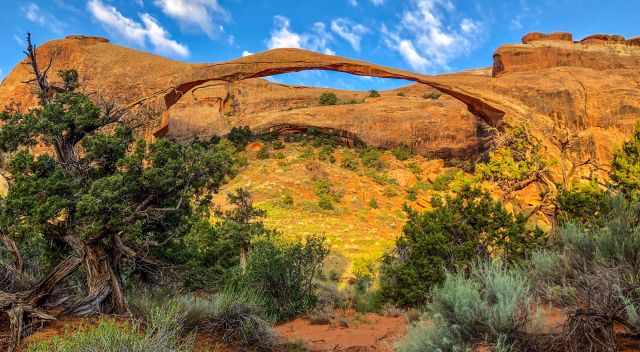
(625, 171)
(241, 222)
(328, 98)
(374, 93)
(240, 136)
(457, 232)
(209, 252)
(284, 273)
(585, 203)
(402, 152)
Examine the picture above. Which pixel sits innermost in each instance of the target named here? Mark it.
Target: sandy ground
(366, 333)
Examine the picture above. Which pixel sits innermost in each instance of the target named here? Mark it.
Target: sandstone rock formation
(539, 51)
(558, 88)
(599, 39)
(537, 37)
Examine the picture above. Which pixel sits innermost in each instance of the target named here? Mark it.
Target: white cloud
(246, 53)
(374, 2)
(349, 31)
(35, 14)
(406, 49)
(283, 37)
(195, 13)
(469, 26)
(22, 43)
(526, 14)
(427, 36)
(158, 37)
(135, 32)
(32, 13)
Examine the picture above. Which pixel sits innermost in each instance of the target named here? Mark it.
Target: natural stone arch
(280, 61)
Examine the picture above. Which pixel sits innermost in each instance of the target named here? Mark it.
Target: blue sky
(430, 36)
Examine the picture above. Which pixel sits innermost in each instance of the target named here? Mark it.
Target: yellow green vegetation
(516, 158)
(354, 198)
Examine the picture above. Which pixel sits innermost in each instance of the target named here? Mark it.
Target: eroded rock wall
(540, 51)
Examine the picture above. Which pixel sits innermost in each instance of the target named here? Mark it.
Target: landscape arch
(278, 61)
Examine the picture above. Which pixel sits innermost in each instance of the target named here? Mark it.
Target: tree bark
(105, 293)
(21, 305)
(18, 264)
(243, 259)
(16, 316)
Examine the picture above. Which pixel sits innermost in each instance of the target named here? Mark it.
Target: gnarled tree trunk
(104, 287)
(24, 308)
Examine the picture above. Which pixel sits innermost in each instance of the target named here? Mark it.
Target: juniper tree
(99, 199)
(458, 230)
(625, 170)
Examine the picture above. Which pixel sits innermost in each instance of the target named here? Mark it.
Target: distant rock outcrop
(537, 36)
(541, 51)
(602, 39)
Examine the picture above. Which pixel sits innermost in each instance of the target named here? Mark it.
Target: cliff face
(588, 89)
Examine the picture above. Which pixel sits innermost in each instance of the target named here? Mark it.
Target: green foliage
(412, 194)
(595, 272)
(374, 93)
(367, 301)
(102, 187)
(517, 159)
(371, 158)
(286, 201)
(277, 144)
(236, 317)
(625, 171)
(415, 168)
(373, 203)
(616, 243)
(389, 192)
(364, 272)
(433, 95)
(349, 161)
(284, 273)
(325, 202)
(402, 152)
(584, 203)
(324, 188)
(162, 333)
(328, 99)
(351, 102)
(308, 153)
(209, 251)
(263, 153)
(240, 136)
(491, 304)
(456, 232)
(326, 154)
(441, 183)
(548, 271)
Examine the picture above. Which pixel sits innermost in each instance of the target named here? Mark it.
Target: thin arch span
(280, 61)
